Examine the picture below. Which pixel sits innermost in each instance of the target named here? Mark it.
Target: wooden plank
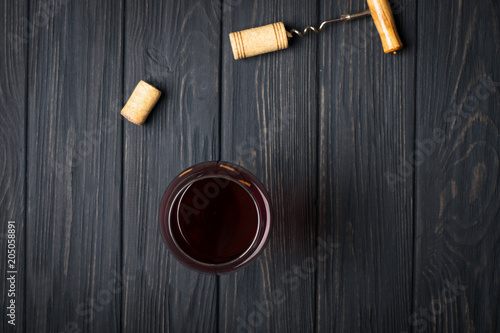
(457, 283)
(13, 84)
(269, 121)
(366, 125)
(175, 46)
(74, 163)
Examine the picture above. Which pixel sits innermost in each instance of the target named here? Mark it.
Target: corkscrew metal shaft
(342, 18)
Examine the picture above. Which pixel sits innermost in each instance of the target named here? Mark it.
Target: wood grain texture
(383, 170)
(269, 121)
(366, 123)
(174, 46)
(13, 84)
(74, 163)
(457, 185)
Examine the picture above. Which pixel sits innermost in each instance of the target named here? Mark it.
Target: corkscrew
(343, 18)
(274, 37)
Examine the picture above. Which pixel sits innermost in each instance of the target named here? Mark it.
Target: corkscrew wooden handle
(384, 21)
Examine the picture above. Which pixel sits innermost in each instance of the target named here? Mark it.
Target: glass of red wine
(215, 217)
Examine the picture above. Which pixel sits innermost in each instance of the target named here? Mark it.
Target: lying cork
(260, 40)
(140, 103)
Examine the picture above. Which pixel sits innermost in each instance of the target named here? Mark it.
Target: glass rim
(222, 170)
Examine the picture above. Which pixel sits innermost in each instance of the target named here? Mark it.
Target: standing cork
(140, 103)
(260, 40)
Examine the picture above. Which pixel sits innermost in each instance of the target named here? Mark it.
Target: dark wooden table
(383, 169)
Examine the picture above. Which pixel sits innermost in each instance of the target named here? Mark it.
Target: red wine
(217, 220)
(215, 217)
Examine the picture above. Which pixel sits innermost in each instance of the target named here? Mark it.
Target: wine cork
(140, 103)
(260, 40)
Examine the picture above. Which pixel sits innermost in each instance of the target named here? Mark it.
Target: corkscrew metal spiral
(344, 18)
